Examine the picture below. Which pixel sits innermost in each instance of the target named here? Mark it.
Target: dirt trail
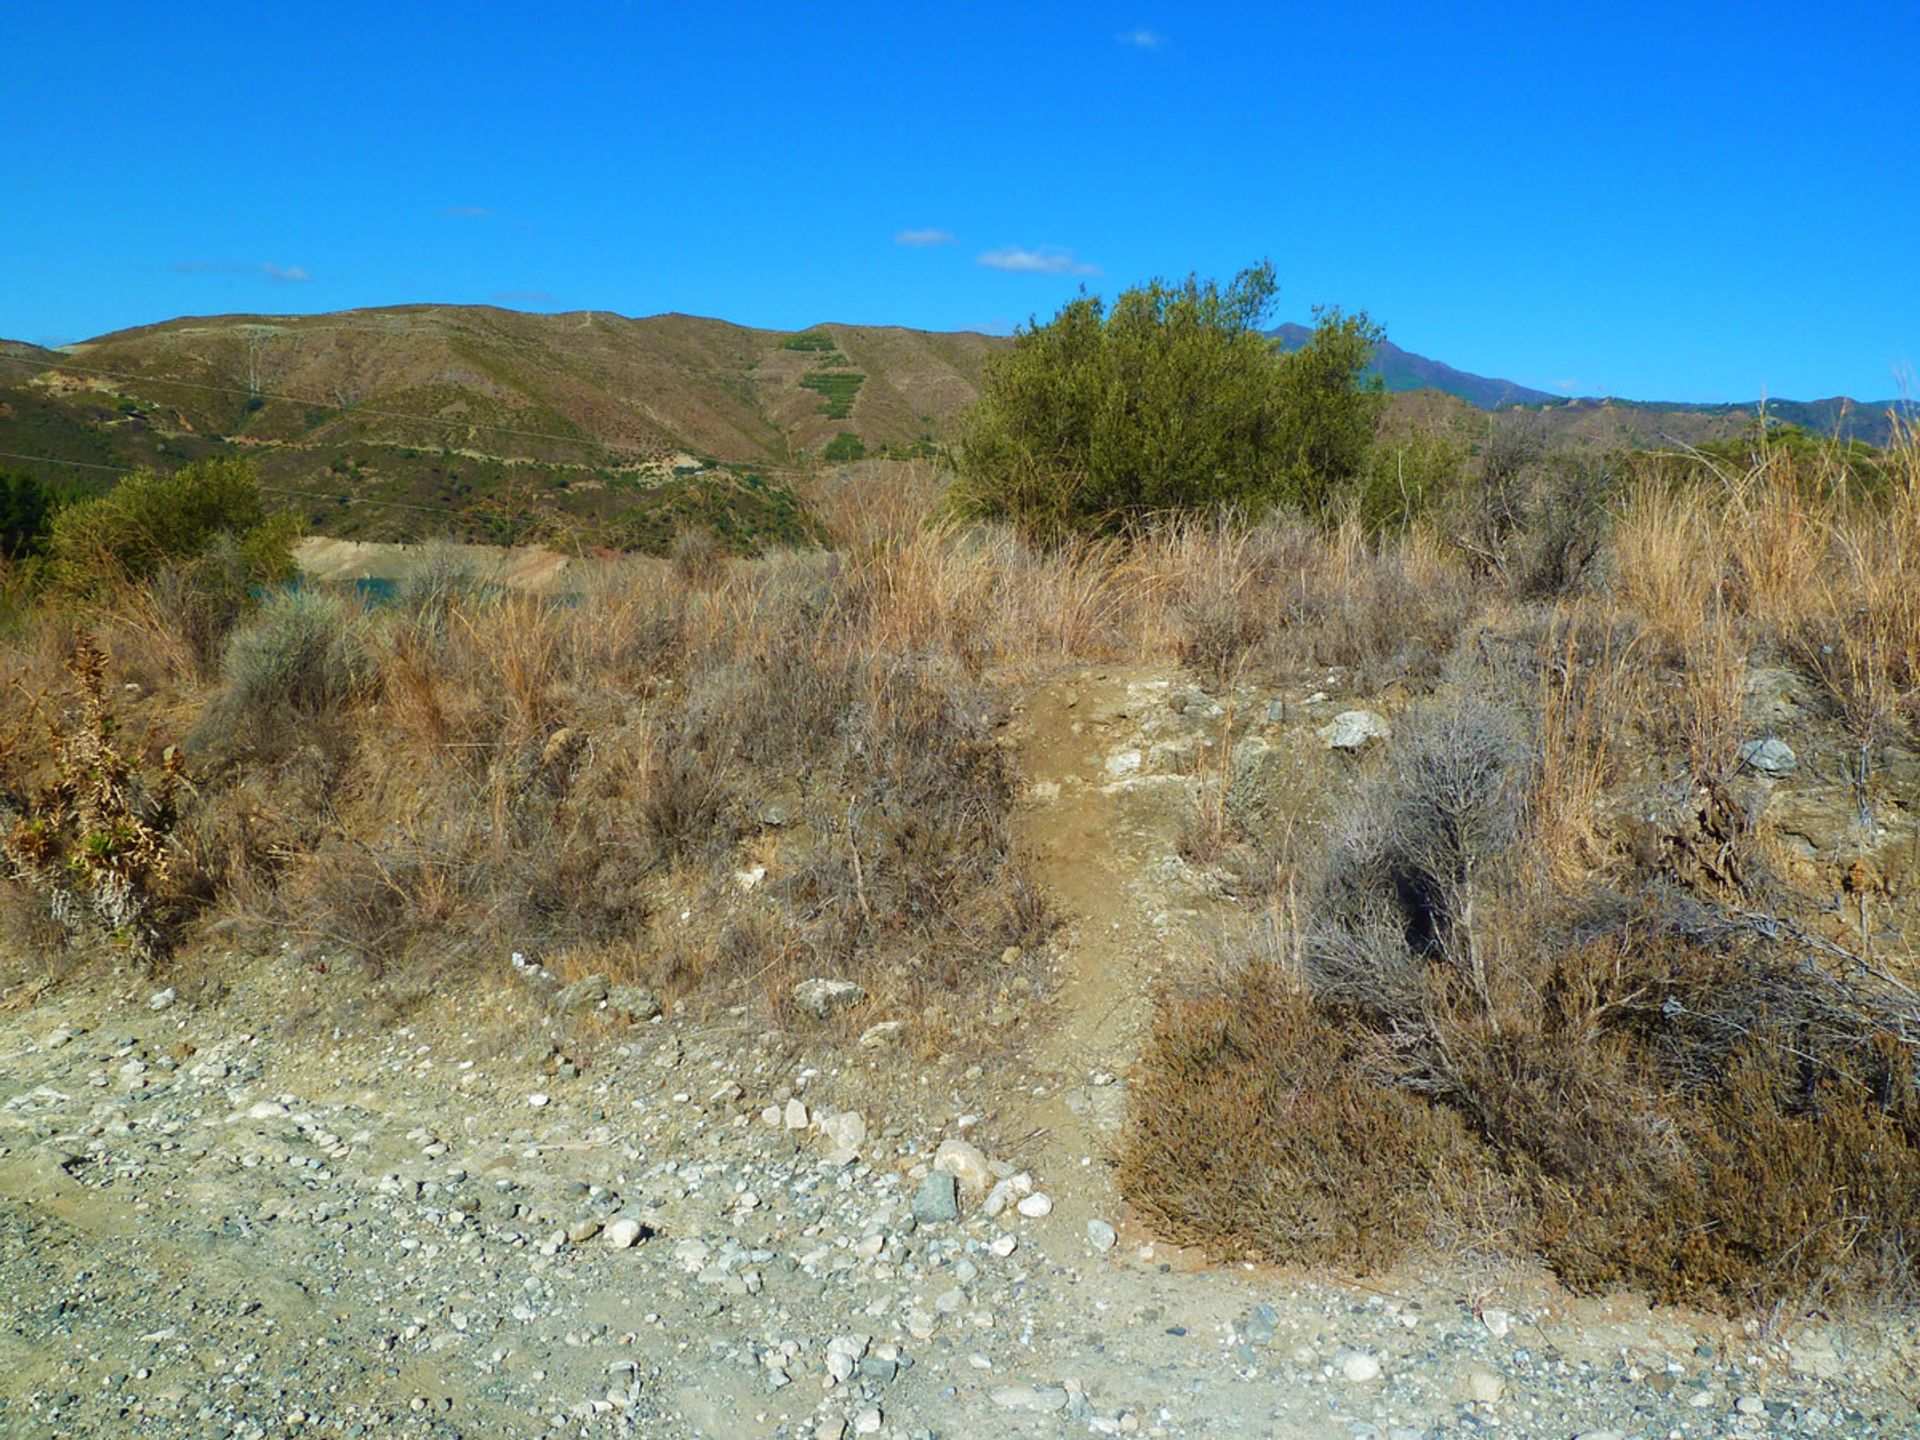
(1102, 831)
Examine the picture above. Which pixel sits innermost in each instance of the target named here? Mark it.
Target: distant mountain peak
(1403, 370)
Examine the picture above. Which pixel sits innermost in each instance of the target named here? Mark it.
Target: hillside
(391, 423)
(366, 417)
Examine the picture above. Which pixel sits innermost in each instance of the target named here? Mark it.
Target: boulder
(1353, 730)
(823, 999)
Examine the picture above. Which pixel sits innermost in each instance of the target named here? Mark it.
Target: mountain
(1402, 370)
(369, 419)
(392, 423)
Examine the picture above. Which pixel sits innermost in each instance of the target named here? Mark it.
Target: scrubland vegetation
(1545, 980)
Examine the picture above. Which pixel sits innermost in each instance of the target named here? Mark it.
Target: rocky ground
(219, 1216)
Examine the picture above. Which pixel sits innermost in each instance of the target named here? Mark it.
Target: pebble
(622, 1232)
(1484, 1387)
(1498, 1322)
(538, 1100)
(1101, 1235)
(867, 1421)
(937, 1199)
(966, 1162)
(1750, 1405)
(1035, 1205)
(1040, 1399)
(1360, 1367)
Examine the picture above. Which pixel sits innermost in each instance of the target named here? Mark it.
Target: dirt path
(1101, 821)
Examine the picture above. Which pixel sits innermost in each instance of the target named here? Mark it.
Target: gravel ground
(211, 1231)
(221, 1217)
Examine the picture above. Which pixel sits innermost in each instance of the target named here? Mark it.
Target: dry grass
(722, 779)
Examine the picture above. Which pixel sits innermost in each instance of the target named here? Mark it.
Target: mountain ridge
(368, 418)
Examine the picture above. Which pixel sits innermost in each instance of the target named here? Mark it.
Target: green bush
(1174, 400)
(844, 448)
(26, 513)
(149, 521)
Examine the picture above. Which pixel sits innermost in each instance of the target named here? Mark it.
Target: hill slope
(389, 423)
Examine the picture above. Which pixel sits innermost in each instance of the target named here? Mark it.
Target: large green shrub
(1173, 400)
(26, 512)
(149, 522)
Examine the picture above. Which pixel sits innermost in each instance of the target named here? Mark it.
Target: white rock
(845, 1131)
(966, 1162)
(1360, 1367)
(161, 999)
(1498, 1322)
(1042, 1399)
(1352, 729)
(1123, 762)
(1101, 1235)
(878, 1037)
(1004, 1245)
(868, 1421)
(1035, 1205)
(1484, 1387)
(824, 998)
(796, 1114)
(537, 1100)
(622, 1231)
(1750, 1405)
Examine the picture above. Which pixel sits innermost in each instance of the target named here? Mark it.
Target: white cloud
(924, 237)
(1141, 39)
(1042, 260)
(264, 269)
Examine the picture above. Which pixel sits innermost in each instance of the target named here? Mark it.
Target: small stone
(1039, 1399)
(823, 999)
(845, 1131)
(1498, 1322)
(1484, 1387)
(868, 1421)
(1261, 1325)
(634, 1003)
(795, 1115)
(1770, 757)
(883, 1035)
(1101, 1235)
(161, 999)
(1750, 1405)
(1353, 729)
(623, 1231)
(1035, 1205)
(1004, 1245)
(1360, 1367)
(937, 1200)
(966, 1162)
(583, 994)
(538, 1100)
(57, 1037)
(582, 1231)
(830, 1427)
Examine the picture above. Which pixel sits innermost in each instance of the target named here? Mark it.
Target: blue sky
(1657, 201)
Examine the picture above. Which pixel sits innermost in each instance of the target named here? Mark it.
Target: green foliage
(26, 513)
(814, 340)
(844, 448)
(148, 522)
(1173, 400)
(1407, 479)
(836, 390)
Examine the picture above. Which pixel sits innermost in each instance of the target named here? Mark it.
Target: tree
(149, 522)
(26, 507)
(1173, 400)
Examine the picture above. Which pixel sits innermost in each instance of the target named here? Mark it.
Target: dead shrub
(698, 558)
(1256, 1131)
